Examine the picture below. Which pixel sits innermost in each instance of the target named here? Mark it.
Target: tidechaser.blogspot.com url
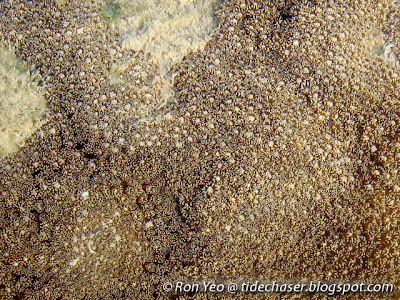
(330, 289)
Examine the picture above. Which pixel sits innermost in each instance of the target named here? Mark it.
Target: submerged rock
(277, 160)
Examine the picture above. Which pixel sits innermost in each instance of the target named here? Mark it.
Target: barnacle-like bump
(277, 158)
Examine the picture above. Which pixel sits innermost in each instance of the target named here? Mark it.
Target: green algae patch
(22, 105)
(111, 11)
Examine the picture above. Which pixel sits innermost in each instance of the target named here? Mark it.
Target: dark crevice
(89, 156)
(20, 295)
(36, 218)
(285, 16)
(124, 185)
(36, 173)
(179, 210)
(80, 146)
(16, 277)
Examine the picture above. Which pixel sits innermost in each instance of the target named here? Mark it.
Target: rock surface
(279, 159)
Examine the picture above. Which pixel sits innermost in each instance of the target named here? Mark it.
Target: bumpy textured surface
(279, 160)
